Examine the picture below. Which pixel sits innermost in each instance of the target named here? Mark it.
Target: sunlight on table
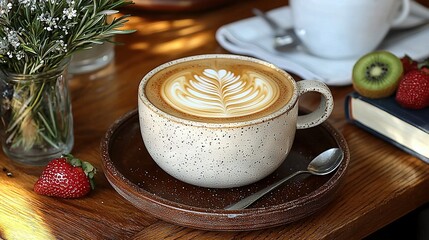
(182, 34)
(18, 220)
(180, 44)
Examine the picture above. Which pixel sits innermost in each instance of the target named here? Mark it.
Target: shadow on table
(413, 226)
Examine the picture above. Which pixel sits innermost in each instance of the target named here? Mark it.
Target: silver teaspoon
(284, 39)
(323, 164)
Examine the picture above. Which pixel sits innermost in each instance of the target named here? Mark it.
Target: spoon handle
(247, 201)
(268, 20)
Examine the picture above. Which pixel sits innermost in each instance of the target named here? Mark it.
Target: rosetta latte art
(220, 93)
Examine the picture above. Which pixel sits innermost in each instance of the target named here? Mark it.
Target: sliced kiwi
(377, 74)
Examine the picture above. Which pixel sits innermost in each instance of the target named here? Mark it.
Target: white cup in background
(348, 28)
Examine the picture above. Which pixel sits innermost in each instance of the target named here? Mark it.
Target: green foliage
(36, 35)
(37, 38)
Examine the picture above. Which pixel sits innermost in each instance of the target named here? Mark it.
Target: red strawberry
(424, 67)
(66, 177)
(413, 90)
(408, 63)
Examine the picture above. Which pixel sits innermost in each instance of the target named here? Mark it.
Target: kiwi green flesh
(377, 74)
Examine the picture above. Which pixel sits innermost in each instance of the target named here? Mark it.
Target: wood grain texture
(382, 184)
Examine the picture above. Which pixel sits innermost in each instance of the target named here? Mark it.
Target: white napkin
(253, 37)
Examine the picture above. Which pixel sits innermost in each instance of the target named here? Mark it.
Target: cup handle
(323, 110)
(405, 11)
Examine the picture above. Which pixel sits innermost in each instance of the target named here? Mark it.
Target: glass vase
(36, 116)
(88, 60)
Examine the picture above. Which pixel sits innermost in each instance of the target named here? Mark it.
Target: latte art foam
(219, 90)
(220, 93)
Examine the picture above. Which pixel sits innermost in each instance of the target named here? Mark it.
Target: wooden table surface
(382, 184)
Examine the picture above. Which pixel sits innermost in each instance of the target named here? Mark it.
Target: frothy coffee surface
(219, 90)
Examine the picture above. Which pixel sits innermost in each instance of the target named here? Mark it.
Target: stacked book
(405, 128)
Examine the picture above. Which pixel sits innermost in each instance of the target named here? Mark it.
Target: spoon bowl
(325, 163)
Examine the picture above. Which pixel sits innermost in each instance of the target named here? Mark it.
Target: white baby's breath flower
(32, 4)
(26, 3)
(12, 38)
(49, 21)
(69, 13)
(37, 36)
(19, 55)
(61, 46)
(5, 7)
(53, 30)
(70, 2)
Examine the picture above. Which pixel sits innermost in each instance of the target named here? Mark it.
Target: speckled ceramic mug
(221, 120)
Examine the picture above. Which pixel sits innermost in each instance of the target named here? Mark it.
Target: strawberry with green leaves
(66, 177)
(413, 90)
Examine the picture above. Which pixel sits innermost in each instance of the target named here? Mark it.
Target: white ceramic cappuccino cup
(345, 28)
(194, 138)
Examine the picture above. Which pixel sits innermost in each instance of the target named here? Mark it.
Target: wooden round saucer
(135, 176)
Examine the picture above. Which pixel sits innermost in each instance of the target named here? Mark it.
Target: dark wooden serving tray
(135, 176)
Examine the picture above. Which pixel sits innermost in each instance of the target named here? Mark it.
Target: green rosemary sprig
(36, 35)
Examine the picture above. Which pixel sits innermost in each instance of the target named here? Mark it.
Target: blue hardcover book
(407, 129)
